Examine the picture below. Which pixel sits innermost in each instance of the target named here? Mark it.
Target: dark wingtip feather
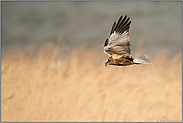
(118, 23)
(122, 25)
(126, 28)
(106, 42)
(113, 26)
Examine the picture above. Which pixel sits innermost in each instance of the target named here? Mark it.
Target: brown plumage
(117, 46)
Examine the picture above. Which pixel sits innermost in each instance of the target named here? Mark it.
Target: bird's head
(107, 62)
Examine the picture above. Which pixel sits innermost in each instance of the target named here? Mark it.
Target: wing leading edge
(118, 44)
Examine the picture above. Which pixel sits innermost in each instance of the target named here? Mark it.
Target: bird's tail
(142, 60)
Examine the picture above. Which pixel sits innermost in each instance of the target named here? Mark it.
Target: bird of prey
(117, 46)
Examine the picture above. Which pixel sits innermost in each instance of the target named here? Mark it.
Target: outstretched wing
(118, 44)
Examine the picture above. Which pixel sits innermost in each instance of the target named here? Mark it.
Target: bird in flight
(117, 46)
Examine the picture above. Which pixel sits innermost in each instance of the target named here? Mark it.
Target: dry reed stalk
(45, 86)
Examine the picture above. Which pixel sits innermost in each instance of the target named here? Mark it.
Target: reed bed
(74, 85)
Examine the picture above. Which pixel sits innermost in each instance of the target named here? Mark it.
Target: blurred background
(158, 24)
(46, 86)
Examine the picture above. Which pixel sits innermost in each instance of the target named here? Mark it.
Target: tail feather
(142, 60)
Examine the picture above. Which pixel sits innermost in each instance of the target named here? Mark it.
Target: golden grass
(46, 86)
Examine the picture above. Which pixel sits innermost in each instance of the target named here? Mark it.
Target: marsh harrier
(117, 46)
